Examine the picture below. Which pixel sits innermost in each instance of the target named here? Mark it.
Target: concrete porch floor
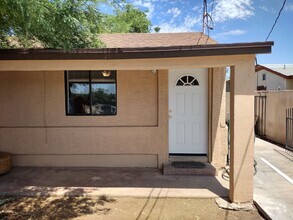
(115, 182)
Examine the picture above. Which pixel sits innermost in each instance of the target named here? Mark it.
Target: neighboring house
(131, 104)
(274, 77)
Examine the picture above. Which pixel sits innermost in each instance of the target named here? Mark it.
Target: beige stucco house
(131, 104)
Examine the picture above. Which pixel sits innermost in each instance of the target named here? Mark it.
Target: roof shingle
(143, 40)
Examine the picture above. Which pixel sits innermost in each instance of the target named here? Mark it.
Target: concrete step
(209, 170)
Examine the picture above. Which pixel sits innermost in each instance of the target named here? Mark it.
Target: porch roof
(138, 52)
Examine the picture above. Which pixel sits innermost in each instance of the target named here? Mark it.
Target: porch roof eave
(138, 53)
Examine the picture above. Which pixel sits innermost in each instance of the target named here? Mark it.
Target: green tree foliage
(157, 29)
(127, 19)
(65, 24)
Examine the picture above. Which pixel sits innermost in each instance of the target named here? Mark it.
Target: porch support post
(218, 129)
(242, 130)
(163, 116)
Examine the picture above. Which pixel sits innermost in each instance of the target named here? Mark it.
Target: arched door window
(187, 80)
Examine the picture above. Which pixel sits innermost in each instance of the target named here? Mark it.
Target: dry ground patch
(18, 208)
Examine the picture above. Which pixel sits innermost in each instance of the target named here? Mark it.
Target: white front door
(188, 111)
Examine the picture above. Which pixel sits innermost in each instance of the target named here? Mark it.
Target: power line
(276, 20)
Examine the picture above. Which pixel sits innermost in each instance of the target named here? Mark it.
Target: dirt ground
(82, 208)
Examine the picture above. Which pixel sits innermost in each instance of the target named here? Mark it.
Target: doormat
(188, 164)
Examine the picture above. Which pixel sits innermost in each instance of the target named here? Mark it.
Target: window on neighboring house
(264, 76)
(91, 92)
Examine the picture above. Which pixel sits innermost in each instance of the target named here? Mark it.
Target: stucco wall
(277, 102)
(35, 129)
(160, 131)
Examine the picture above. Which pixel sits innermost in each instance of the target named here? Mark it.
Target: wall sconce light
(106, 73)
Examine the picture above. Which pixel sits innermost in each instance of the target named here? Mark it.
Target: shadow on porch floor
(116, 182)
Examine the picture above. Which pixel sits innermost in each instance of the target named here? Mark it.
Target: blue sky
(234, 21)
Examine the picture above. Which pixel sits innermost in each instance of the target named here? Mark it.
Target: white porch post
(242, 131)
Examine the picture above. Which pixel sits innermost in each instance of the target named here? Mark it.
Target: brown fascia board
(137, 53)
(260, 67)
